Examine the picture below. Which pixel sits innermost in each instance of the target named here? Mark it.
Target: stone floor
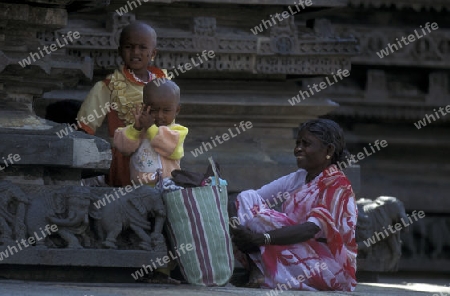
(387, 287)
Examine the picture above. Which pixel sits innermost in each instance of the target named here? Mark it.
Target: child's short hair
(136, 26)
(166, 86)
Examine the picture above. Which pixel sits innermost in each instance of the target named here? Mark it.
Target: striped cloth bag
(197, 223)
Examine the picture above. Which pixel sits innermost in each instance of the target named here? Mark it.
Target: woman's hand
(246, 240)
(249, 241)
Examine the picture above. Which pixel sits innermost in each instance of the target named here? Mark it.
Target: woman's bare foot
(256, 278)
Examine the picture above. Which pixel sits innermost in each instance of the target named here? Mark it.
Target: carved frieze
(417, 5)
(24, 55)
(384, 94)
(284, 38)
(204, 31)
(80, 218)
(299, 65)
(286, 51)
(427, 239)
(431, 50)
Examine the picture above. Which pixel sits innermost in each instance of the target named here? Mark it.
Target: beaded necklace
(138, 79)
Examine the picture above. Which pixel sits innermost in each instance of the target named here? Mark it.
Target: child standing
(137, 48)
(155, 140)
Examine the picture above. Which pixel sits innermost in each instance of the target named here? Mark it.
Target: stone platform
(22, 288)
(83, 257)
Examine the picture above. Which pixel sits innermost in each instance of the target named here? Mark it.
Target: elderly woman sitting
(309, 244)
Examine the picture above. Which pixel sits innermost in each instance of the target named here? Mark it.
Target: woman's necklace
(138, 79)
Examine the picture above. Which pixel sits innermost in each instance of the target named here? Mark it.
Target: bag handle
(216, 175)
(160, 180)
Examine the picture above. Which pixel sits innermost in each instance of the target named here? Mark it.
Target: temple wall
(253, 77)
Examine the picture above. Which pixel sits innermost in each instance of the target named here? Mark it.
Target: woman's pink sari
(329, 202)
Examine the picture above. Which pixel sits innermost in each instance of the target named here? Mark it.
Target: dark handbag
(188, 179)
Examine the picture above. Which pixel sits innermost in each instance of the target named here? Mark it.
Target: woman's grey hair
(329, 132)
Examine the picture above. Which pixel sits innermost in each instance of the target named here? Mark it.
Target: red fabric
(119, 171)
(328, 201)
(86, 128)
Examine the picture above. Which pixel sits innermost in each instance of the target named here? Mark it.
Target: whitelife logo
(280, 16)
(90, 118)
(322, 85)
(411, 38)
(299, 279)
(351, 159)
(165, 260)
(423, 122)
(186, 67)
(128, 189)
(124, 9)
(378, 236)
(35, 55)
(11, 250)
(225, 137)
(279, 199)
(11, 159)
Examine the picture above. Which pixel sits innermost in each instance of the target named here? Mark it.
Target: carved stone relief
(297, 65)
(417, 5)
(430, 50)
(284, 37)
(285, 48)
(131, 212)
(204, 30)
(12, 213)
(374, 218)
(408, 92)
(85, 217)
(427, 238)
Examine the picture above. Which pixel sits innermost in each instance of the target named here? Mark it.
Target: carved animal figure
(68, 210)
(75, 223)
(132, 211)
(375, 217)
(12, 213)
(428, 238)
